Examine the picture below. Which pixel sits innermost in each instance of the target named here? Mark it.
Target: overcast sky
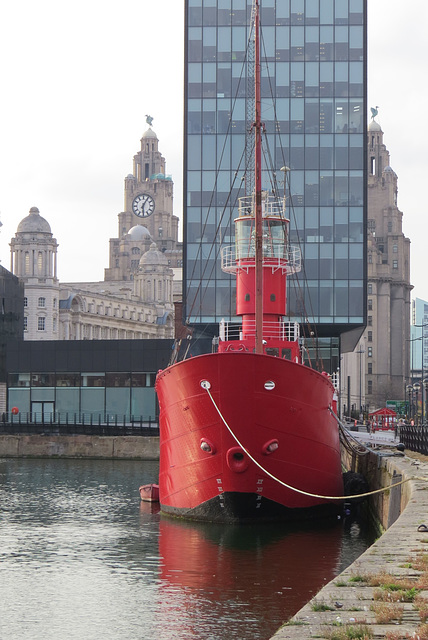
(77, 80)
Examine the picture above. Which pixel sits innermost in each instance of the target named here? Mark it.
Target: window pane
(42, 380)
(118, 379)
(93, 379)
(68, 380)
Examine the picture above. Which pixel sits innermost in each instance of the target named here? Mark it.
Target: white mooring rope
(206, 385)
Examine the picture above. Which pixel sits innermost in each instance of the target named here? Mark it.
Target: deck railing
(278, 330)
(280, 257)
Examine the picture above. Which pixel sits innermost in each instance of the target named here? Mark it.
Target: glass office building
(419, 339)
(314, 109)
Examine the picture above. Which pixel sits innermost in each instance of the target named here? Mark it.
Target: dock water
(347, 604)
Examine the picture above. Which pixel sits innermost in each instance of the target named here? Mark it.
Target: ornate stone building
(148, 214)
(34, 262)
(379, 367)
(136, 298)
(387, 337)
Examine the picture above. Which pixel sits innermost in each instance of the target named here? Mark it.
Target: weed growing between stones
(422, 632)
(420, 563)
(390, 582)
(358, 578)
(388, 593)
(351, 632)
(293, 623)
(321, 606)
(421, 605)
(387, 612)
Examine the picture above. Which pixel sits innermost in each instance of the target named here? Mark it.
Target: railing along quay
(415, 437)
(77, 424)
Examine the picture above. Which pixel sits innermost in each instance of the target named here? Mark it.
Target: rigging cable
(200, 291)
(210, 206)
(312, 331)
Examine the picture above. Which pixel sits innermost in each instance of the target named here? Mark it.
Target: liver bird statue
(374, 111)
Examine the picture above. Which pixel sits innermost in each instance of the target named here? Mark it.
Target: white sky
(78, 78)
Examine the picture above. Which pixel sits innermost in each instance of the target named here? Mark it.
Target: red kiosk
(382, 419)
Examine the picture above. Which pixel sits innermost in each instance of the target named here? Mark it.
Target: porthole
(269, 385)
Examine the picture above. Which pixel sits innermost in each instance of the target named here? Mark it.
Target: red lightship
(248, 433)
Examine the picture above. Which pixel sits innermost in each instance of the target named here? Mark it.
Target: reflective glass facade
(92, 396)
(90, 378)
(314, 110)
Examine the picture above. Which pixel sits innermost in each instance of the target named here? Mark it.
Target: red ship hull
(288, 430)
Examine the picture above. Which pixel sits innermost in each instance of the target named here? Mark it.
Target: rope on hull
(207, 385)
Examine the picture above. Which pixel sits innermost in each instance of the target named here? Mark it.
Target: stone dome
(34, 223)
(139, 232)
(389, 170)
(150, 134)
(153, 256)
(374, 126)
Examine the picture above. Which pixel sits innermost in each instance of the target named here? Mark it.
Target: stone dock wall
(80, 446)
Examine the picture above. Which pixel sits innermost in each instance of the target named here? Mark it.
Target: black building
(93, 379)
(11, 314)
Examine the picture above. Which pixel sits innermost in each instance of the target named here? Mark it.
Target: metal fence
(77, 424)
(415, 438)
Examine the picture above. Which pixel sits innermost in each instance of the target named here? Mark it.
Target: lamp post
(360, 352)
(425, 414)
(417, 388)
(409, 390)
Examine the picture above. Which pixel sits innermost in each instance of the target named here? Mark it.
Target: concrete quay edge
(80, 446)
(352, 602)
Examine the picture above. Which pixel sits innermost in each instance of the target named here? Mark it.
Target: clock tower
(148, 214)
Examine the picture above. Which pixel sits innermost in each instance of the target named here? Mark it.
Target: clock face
(143, 205)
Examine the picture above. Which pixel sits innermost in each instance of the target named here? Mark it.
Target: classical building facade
(136, 299)
(379, 367)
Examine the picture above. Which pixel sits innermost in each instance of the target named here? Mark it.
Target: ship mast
(258, 189)
(260, 258)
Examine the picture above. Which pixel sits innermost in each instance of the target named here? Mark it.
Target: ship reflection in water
(83, 558)
(240, 581)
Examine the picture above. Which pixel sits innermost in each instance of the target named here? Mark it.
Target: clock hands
(145, 201)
